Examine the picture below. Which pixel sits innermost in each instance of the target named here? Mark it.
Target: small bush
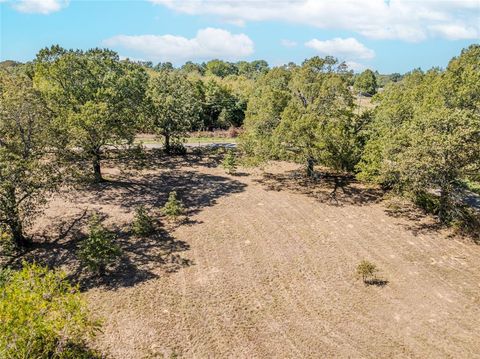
(230, 162)
(99, 249)
(143, 224)
(366, 271)
(174, 207)
(43, 316)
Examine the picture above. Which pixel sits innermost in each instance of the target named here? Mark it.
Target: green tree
(164, 66)
(96, 97)
(99, 250)
(143, 223)
(221, 108)
(230, 162)
(43, 316)
(318, 124)
(173, 106)
(220, 68)
(173, 207)
(28, 161)
(425, 135)
(252, 69)
(190, 67)
(265, 106)
(366, 83)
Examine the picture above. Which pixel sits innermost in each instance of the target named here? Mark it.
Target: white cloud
(355, 66)
(208, 43)
(409, 20)
(43, 7)
(454, 31)
(348, 48)
(288, 43)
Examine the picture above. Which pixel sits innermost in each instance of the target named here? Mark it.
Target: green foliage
(428, 202)
(220, 68)
(306, 114)
(366, 83)
(42, 316)
(173, 106)
(173, 207)
(319, 124)
(366, 271)
(230, 162)
(425, 134)
(26, 134)
(143, 223)
(98, 250)
(96, 98)
(265, 106)
(5, 275)
(221, 107)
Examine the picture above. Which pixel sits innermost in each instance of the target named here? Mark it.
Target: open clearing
(265, 269)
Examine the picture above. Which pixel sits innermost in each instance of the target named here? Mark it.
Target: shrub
(173, 207)
(142, 222)
(43, 316)
(99, 249)
(366, 270)
(230, 162)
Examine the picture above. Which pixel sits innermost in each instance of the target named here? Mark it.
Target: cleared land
(265, 267)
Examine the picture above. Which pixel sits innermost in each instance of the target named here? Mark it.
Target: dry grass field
(264, 268)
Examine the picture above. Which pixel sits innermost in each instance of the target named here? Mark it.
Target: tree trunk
(13, 221)
(97, 170)
(16, 228)
(167, 143)
(310, 169)
(102, 270)
(17, 234)
(444, 205)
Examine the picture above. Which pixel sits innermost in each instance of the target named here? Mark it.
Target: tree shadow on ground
(419, 222)
(376, 282)
(330, 188)
(143, 258)
(138, 159)
(196, 190)
(415, 220)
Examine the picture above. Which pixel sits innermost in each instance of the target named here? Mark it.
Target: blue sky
(390, 36)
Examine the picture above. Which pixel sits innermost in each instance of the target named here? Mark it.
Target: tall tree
(318, 124)
(425, 136)
(96, 97)
(220, 68)
(173, 105)
(366, 83)
(27, 155)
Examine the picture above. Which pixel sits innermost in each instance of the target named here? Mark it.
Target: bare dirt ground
(264, 268)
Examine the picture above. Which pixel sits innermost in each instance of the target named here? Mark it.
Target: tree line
(422, 139)
(62, 110)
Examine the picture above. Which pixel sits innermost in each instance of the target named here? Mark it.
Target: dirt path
(272, 276)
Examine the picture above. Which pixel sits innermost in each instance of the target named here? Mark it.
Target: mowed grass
(265, 267)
